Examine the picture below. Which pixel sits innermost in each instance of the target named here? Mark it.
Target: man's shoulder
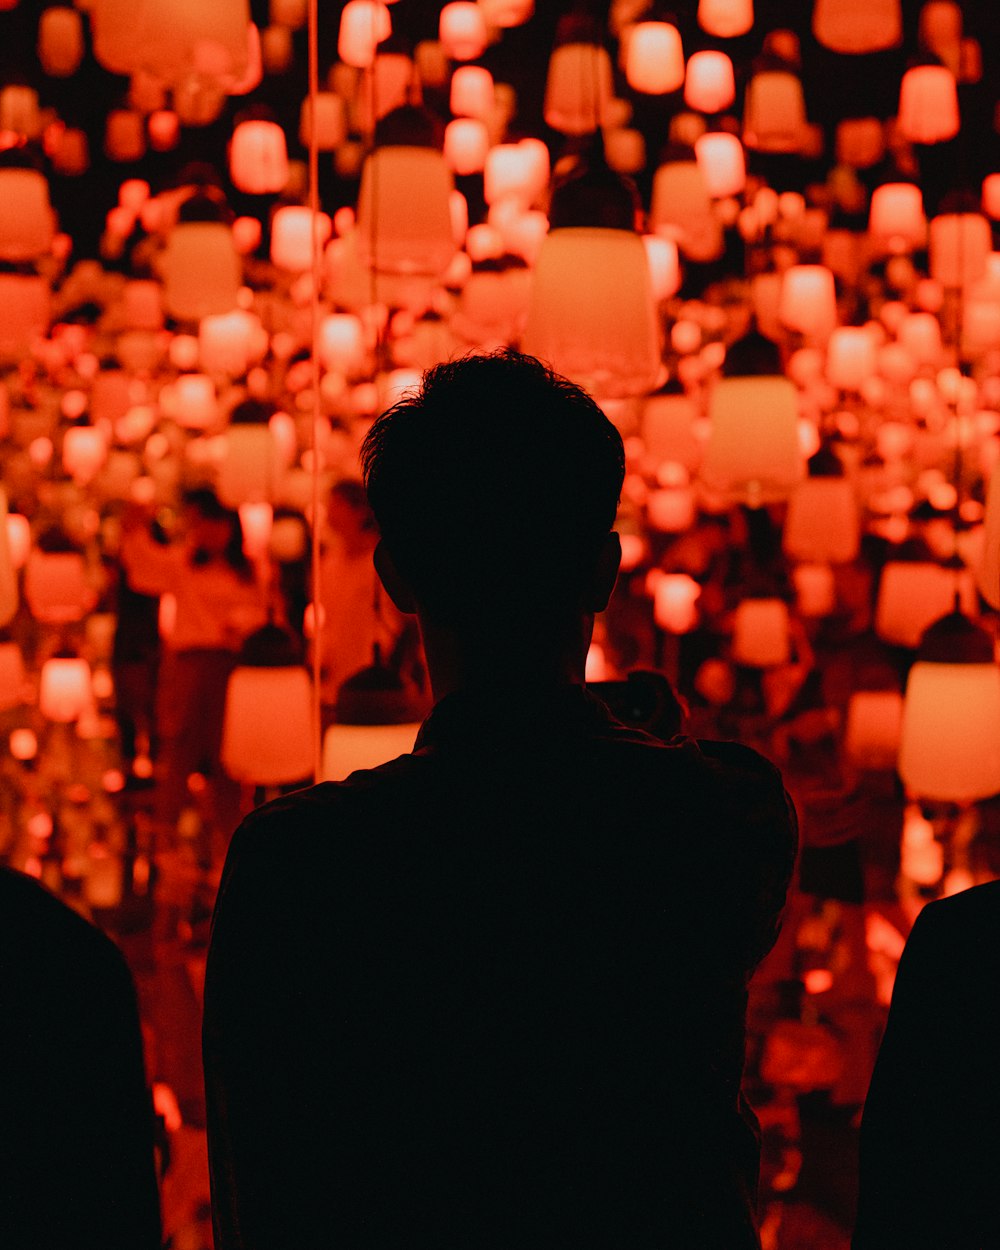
(971, 916)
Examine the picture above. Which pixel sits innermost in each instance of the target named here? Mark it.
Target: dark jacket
(492, 994)
(76, 1121)
(930, 1134)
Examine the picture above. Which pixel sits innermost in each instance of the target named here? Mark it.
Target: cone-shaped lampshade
(592, 315)
(753, 449)
(950, 741)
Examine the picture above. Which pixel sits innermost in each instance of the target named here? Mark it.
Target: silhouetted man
(492, 994)
(930, 1133)
(77, 1167)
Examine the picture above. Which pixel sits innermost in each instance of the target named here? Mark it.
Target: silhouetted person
(492, 993)
(76, 1120)
(930, 1133)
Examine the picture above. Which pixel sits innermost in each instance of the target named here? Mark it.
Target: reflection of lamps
(950, 740)
(267, 729)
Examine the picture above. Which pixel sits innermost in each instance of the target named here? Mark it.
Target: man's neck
(512, 661)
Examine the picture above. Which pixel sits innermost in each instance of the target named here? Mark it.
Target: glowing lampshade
(342, 343)
(64, 689)
(19, 110)
(258, 157)
(18, 537)
(591, 315)
(960, 244)
(720, 158)
(760, 633)
(462, 30)
(85, 448)
(848, 27)
(809, 300)
(675, 603)
(822, 524)
(710, 85)
(516, 171)
(11, 676)
(192, 401)
(774, 113)
(249, 467)
(227, 342)
(363, 26)
(472, 92)
(202, 270)
(26, 218)
(8, 570)
(664, 265)
(404, 211)
(896, 215)
(725, 18)
(348, 748)
(815, 589)
(654, 61)
(950, 739)
(60, 41)
(291, 236)
(850, 357)
(331, 121)
(267, 728)
(671, 509)
(256, 525)
(919, 334)
(913, 595)
(928, 104)
(171, 38)
(25, 311)
(860, 142)
(681, 208)
(988, 567)
(874, 722)
(56, 587)
(466, 143)
(753, 451)
(578, 88)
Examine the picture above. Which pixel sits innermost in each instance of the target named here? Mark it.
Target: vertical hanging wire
(315, 258)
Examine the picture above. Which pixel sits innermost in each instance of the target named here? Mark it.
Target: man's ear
(395, 587)
(605, 574)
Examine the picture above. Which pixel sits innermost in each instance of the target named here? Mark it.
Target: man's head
(495, 487)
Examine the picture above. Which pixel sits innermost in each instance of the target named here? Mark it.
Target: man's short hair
(494, 484)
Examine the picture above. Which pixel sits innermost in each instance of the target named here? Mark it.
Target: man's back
(493, 994)
(930, 1134)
